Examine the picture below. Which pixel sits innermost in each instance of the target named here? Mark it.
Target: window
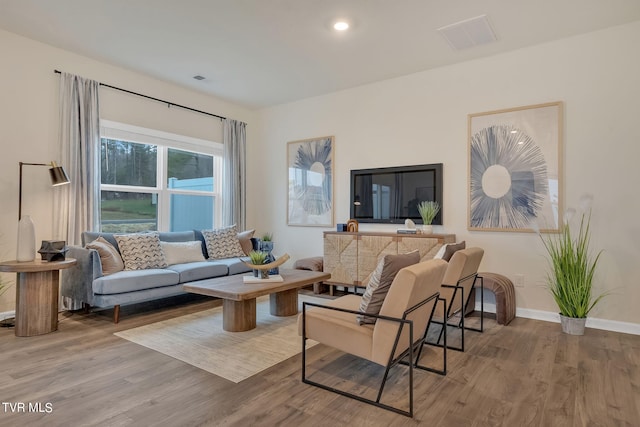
(153, 180)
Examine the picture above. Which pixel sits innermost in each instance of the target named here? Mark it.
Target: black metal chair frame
(410, 352)
(460, 324)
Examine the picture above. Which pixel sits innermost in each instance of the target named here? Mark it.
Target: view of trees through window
(140, 191)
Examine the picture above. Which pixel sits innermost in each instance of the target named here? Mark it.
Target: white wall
(422, 118)
(29, 124)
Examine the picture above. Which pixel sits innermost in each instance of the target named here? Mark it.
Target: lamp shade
(58, 176)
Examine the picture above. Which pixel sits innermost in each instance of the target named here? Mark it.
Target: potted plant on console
(428, 211)
(570, 275)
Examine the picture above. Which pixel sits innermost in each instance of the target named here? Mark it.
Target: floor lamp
(58, 177)
(56, 173)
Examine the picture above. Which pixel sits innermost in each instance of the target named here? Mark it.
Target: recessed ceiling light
(514, 131)
(199, 77)
(341, 26)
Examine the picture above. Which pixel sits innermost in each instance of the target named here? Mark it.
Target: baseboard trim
(592, 322)
(7, 315)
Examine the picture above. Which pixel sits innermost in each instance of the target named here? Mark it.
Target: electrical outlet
(519, 280)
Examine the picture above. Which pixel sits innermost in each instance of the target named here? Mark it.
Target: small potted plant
(259, 258)
(428, 211)
(570, 275)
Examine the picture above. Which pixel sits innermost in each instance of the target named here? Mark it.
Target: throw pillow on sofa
(182, 252)
(141, 251)
(447, 250)
(245, 240)
(223, 243)
(380, 282)
(109, 256)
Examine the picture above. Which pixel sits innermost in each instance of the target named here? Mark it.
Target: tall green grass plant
(571, 269)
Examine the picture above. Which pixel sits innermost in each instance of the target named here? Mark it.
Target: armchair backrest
(463, 264)
(411, 285)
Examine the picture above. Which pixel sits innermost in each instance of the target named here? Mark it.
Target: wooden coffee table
(239, 298)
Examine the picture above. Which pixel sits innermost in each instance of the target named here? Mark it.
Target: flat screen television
(391, 195)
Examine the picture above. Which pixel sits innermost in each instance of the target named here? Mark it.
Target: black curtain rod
(155, 99)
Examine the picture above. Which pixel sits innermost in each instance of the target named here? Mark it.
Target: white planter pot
(427, 229)
(572, 325)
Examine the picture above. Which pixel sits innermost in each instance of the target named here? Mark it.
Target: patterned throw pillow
(380, 282)
(141, 251)
(110, 259)
(223, 243)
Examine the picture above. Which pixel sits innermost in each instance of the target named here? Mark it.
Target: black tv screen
(391, 195)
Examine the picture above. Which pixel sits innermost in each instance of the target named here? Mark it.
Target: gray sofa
(86, 284)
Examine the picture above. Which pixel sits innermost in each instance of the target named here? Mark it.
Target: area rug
(199, 340)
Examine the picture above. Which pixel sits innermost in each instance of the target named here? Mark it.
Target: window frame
(163, 142)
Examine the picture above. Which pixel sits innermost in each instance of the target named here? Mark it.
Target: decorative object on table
(341, 227)
(258, 258)
(409, 227)
(26, 240)
(572, 266)
(515, 168)
(53, 250)
(428, 211)
(266, 245)
(26, 250)
(310, 182)
(352, 226)
(266, 267)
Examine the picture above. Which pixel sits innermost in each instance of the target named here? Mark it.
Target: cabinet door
(428, 247)
(371, 249)
(341, 258)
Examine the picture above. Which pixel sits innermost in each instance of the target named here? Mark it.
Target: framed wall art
(515, 169)
(310, 182)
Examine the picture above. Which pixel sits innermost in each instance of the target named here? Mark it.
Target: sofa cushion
(177, 236)
(223, 243)
(376, 291)
(110, 258)
(235, 265)
(141, 251)
(199, 270)
(134, 280)
(181, 252)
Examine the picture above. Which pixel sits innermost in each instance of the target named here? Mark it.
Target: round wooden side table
(37, 287)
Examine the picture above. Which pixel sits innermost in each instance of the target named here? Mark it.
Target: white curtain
(234, 175)
(77, 206)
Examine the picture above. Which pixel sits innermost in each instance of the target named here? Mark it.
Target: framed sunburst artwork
(515, 169)
(310, 182)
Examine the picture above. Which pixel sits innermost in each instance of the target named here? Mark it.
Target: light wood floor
(527, 373)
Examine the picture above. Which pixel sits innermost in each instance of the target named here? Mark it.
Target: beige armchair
(460, 278)
(404, 318)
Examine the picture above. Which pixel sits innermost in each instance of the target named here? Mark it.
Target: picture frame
(310, 164)
(515, 169)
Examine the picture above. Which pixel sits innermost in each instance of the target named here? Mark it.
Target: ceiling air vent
(468, 33)
(199, 77)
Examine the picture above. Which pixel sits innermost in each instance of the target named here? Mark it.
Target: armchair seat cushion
(339, 329)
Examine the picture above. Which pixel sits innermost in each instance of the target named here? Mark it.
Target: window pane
(189, 171)
(128, 163)
(123, 212)
(190, 212)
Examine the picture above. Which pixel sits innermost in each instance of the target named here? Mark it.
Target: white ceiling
(265, 52)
